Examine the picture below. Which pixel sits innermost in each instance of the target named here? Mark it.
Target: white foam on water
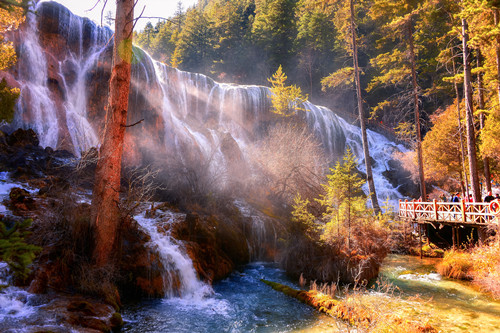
(431, 277)
(12, 300)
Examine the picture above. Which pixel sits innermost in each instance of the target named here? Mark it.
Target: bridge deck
(452, 213)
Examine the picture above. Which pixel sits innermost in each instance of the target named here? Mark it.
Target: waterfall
(35, 106)
(187, 115)
(178, 267)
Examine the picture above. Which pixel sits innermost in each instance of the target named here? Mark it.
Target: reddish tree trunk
(106, 195)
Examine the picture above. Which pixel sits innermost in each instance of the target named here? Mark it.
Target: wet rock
(23, 138)
(141, 263)
(21, 200)
(401, 179)
(213, 247)
(82, 314)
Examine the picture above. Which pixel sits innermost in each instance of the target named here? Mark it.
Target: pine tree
(343, 198)
(346, 23)
(285, 100)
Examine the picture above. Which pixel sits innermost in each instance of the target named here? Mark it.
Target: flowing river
(241, 303)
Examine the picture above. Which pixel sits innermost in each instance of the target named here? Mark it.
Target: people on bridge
(456, 197)
(489, 197)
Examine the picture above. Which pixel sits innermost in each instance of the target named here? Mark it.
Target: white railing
(458, 212)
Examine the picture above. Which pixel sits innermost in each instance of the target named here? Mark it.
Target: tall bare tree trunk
(105, 211)
(366, 150)
(469, 118)
(420, 158)
(482, 118)
(496, 16)
(462, 163)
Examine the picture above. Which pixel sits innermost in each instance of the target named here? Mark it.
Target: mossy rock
(116, 320)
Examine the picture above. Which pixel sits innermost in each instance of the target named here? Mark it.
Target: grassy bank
(480, 264)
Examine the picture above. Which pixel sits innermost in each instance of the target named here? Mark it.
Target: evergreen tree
(346, 21)
(314, 45)
(14, 250)
(343, 200)
(285, 100)
(274, 30)
(195, 46)
(398, 67)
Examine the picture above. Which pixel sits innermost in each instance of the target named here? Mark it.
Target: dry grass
(456, 265)
(486, 272)
(363, 311)
(480, 264)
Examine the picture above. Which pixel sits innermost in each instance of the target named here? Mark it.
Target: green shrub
(14, 250)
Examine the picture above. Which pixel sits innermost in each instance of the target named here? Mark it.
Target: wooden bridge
(474, 214)
(457, 215)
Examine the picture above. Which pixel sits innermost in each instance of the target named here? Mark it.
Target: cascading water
(35, 107)
(37, 104)
(187, 114)
(180, 278)
(64, 74)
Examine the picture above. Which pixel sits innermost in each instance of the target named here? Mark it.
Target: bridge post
(420, 239)
(462, 208)
(453, 236)
(435, 209)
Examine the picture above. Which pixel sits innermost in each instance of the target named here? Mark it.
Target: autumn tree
(441, 148)
(12, 14)
(286, 100)
(106, 195)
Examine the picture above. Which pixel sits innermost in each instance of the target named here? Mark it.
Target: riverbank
(480, 264)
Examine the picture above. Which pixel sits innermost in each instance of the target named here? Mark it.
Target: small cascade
(262, 236)
(13, 301)
(180, 278)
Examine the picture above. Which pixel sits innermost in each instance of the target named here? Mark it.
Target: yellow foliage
(441, 146)
(9, 21)
(286, 100)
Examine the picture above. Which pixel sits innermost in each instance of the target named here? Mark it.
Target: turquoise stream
(241, 303)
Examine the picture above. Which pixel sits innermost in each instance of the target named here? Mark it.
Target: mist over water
(188, 116)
